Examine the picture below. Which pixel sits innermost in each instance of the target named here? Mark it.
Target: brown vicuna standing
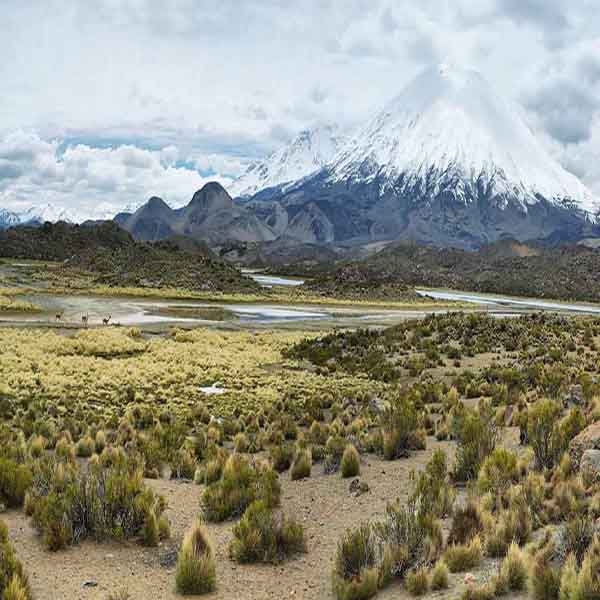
(106, 320)
(84, 320)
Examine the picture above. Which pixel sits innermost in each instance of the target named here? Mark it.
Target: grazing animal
(59, 316)
(84, 320)
(106, 320)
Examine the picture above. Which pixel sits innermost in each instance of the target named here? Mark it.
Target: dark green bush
(262, 536)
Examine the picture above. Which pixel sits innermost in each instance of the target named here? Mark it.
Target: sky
(104, 103)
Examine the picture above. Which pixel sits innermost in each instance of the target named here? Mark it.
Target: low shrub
(417, 582)
(513, 570)
(282, 456)
(15, 480)
(440, 576)
(85, 447)
(544, 434)
(462, 557)
(466, 523)
(356, 570)
(476, 434)
(399, 424)
(262, 536)
(302, 465)
(240, 484)
(544, 579)
(196, 571)
(350, 462)
(13, 581)
(433, 491)
(103, 501)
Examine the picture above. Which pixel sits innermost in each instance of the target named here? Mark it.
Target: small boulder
(358, 487)
(574, 396)
(590, 466)
(588, 439)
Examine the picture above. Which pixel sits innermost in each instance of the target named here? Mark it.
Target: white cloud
(91, 182)
(129, 98)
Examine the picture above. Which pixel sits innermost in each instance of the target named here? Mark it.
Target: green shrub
(350, 462)
(241, 483)
(417, 582)
(588, 580)
(16, 589)
(466, 523)
(568, 579)
(544, 433)
(432, 490)
(85, 447)
(261, 536)
(513, 570)
(462, 557)
(196, 571)
(476, 434)
(498, 472)
(104, 501)
(544, 580)
(302, 464)
(282, 456)
(411, 538)
(399, 423)
(440, 576)
(356, 572)
(13, 581)
(15, 480)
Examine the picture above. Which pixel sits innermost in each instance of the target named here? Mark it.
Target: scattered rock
(590, 466)
(588, 439)
(574, 396)
(358, 487)
(469, 579)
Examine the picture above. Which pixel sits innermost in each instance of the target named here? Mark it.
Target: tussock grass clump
(13, 581)
(440, 576)
(104, 502)
(85, 447)
(466, 523)
(513, 570)
(476, 433)
(196, 570)
(262, 536)
(399, 424)
(568, 579)
(282, 456)
(432, 488)
(356, 573)
(350, 466)
(498, 472)
(462, 557)
(544, 579)
(486, 591)
(240, 484)
(302, 465)
(15, 480)
(417, 582)
(588, 580)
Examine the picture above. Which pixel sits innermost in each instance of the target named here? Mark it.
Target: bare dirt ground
(323, 503)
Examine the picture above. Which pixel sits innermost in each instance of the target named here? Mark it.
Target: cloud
(164, 95)
(91, 182)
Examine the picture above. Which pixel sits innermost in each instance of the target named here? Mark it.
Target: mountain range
(448, 162)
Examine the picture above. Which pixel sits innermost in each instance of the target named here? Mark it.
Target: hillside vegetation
(508, 267)
(105, 254)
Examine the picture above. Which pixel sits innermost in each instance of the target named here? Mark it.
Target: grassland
(352, 464)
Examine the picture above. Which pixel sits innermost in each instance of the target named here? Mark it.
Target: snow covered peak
(308, 152)
(450, 124)
(47, 212)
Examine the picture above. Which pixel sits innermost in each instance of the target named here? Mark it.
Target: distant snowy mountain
(450, 125)
(448, 162)
(308, 152)
(48, 212)
(8, 218)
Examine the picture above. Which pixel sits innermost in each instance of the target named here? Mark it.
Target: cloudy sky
(104, 103)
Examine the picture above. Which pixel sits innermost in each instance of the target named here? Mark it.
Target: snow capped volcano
(450, 130)
(447, 162)
(308, 152)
